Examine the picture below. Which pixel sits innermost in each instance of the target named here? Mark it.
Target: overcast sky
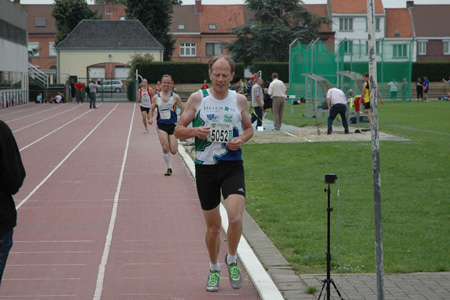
(386, 3)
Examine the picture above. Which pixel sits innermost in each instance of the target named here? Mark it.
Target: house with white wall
(13, 55)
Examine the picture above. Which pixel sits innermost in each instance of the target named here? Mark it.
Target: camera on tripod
(330, 178)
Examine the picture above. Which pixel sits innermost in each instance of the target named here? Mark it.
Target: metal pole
(375, 149)
(290, 62)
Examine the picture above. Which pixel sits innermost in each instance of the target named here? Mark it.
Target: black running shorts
(169, 128)
(211, 179)
(147, 109)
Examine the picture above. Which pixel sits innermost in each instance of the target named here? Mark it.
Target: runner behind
(166, 101)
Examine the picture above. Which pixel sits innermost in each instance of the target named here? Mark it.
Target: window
(213, 49)
(212, 27)
(123, 18)
(40, 22)
(51, 49)
(446, 47)
(399, 51)
(188, 49)
(345, 24)
(348, 46)
(181, 27)
(422, 48)
(33, 49)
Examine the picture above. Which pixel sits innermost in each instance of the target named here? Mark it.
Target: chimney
(198, 7)
(409, 4)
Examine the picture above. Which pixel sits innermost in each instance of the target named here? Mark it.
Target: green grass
(285, 184)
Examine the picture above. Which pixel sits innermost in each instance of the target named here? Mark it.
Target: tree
(156, 16)
(137, 60)
(67, 15)
(275, 25)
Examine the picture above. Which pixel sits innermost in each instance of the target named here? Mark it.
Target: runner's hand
(202, 132)
(235, 143)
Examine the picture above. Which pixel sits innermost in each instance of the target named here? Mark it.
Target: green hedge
(181, 72)
(435, 71)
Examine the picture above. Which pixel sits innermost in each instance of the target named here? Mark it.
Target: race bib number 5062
(220, 132)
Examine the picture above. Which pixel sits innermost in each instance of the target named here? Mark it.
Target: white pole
(375, 149)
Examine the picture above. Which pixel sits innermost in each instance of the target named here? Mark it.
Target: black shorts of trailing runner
(147, 109)
(169, 128)
(227, 176)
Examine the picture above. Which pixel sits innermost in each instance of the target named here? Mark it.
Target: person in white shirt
(337, 104)
(393, 88)
(277, 91)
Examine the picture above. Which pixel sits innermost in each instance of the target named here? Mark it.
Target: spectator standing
(93, 86)
(337, 104)
(426, 87)
(277, 91)
(404, 89)
(393, 85)
(419, 89)
(257, 102)
(205, 85)
(79, 91)
(12, 175)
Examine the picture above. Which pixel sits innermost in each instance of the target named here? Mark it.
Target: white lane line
(62, 161)
(106, 250)
(418, 129)
(60, 127)
(36, 113)
(262, 281)
(43, 120)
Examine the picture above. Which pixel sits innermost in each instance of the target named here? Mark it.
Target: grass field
(285, 185)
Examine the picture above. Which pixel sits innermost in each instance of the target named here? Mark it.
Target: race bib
(220, 132)
(165, 114)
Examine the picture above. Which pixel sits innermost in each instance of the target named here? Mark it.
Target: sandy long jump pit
(309, 134)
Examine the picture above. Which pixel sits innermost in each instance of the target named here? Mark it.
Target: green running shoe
(235, 274)
(212, 285)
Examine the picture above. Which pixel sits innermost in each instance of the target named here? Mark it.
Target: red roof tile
(354, 6)
(398, 19)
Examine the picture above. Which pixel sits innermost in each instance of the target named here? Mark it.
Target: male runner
(216, 113)
(166, 101)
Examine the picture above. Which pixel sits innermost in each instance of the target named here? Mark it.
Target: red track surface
(94, 177)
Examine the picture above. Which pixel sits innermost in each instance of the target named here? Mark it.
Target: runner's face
(221, 75)
(166, 84)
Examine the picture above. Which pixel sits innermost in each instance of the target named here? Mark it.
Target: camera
(330, 178)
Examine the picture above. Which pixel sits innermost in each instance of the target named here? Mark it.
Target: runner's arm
(181, 130)
(152, 109)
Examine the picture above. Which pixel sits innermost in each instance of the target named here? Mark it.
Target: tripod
(329, 179)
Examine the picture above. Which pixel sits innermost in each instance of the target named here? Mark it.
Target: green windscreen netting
(344, 65)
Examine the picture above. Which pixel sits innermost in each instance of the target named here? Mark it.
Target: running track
(97, 218)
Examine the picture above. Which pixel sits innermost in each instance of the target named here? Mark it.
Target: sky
(386, 3)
